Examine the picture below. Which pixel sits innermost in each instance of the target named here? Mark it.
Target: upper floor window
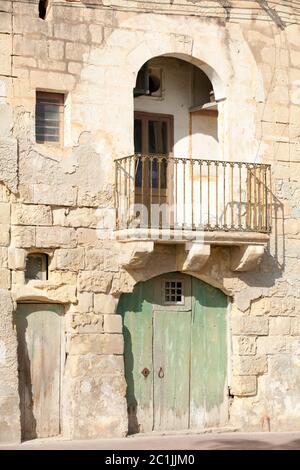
(43, 4)
(49, 117)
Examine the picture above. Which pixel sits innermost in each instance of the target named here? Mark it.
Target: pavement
(210, 441)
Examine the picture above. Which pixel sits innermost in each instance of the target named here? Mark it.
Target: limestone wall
(50, 197)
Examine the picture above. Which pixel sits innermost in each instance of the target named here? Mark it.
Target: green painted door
(39, 359)
(175, 354)
(171, 364)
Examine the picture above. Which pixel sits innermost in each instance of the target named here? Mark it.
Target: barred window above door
(49, 117)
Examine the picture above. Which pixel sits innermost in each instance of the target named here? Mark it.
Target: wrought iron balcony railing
(157, 191)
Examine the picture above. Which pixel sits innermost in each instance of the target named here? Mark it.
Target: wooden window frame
(145, 118)
(61, 97)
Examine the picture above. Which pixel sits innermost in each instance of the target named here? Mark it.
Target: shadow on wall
(273, 262)
(133, 425)
(28, 421)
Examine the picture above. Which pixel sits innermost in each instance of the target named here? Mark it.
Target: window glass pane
(158, 144)
(137, 136)
(157, 137)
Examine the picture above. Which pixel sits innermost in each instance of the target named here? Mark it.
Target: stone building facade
(59, 199)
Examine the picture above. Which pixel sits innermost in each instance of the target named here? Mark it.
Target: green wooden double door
(175, 354)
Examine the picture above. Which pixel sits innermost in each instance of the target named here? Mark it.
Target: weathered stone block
(94, 281)
(54, 237)
(74, 67)
(77, 52)
(112, 323)
(249, 365)
(23, 236)
(45, 291)
(76, 32)
(295, 326)
(63, 277)
(79, 217)
(85, 302)
(10, 429)
(88, 323)
(87, 237)
(96, 344)
(94, 364)
(96, 33)
(4, 278)
(61, 196)
(244, 345)
(68, 259)
(94, 258)
(105, 303)
(4, 235)
(3, 257)
(293, 346)
(56, 50)
(16, 258)
(18, 277)
(244, 386)
(26, 214)
(281, 307)
(9, 162)
(279, 326)
(271, 345)
(258, 307)
(4, 213)
(249, 325)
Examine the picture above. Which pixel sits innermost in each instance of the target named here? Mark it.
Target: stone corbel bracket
(246, 258)
(192, 256)
(136, 254)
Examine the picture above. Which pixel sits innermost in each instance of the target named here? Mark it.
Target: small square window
(49, 117)
(36, 267)
(173, 292)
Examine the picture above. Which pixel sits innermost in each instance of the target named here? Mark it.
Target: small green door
(171, 365)
(175, 354)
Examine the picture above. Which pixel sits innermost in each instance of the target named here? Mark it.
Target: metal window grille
(49, 117)
(173, 292)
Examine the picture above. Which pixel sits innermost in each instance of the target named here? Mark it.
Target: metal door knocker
(161, 373)
(145, 372)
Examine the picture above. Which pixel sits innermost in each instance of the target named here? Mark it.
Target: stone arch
(209, 70)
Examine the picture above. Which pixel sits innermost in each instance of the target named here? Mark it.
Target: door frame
(146, 116)
(62, 349)
(167, 193)
(157, 288)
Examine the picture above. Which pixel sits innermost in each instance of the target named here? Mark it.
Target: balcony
(158, 194)
(195, 202)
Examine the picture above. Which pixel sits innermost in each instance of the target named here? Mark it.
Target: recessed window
(36, 267)
(149, 81)
(43, 8)
(173, 292)
(49, 117)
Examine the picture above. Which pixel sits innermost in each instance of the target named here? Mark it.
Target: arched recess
(175, 354)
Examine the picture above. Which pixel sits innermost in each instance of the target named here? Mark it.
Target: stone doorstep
(191, 432)
(220, 430)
